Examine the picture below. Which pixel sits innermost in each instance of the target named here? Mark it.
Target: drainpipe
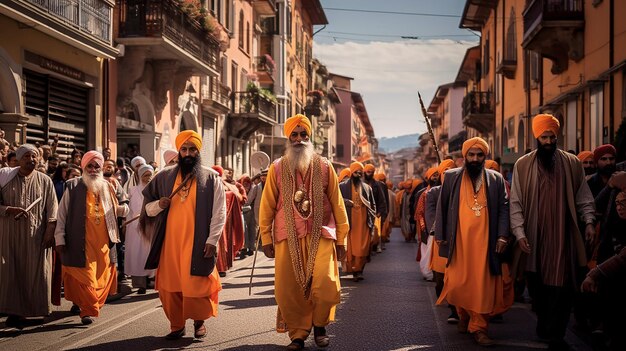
(528, 101)
(105, 104)
(495, 75)
(612, 76)
(503, 80)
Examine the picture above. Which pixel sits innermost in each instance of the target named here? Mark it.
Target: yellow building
(53, 63)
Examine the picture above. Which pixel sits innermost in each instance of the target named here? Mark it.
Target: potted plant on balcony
(194, 9)
(268, 61)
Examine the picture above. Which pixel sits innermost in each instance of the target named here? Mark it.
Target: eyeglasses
(93, 166)
(303, 135)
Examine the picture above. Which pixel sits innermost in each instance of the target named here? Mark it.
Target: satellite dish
(259, 161)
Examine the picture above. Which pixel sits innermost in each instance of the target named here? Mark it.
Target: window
(624, 94)
(234, 76)
(243, 80)
(486, 56)
(227, 15)
(224, 75)
(595, 118)
(248, 37)
(510, 53)
(288, 23)
(571, 125)
(241, 29)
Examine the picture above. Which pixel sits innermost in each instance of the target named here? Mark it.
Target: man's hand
(524, 245)
(15, 211)
(48, 237)
(209, 250)
(60, 249)
(590, 233)
(348, 202)
(164, 202)
(501, 245)
(341, 252)
(268, 250)
(589, 285)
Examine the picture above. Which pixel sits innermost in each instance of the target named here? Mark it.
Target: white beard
(299, 158)
(97, 185)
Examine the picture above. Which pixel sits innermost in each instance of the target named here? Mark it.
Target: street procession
(312, 174)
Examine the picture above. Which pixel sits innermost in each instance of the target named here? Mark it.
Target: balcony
(265, 69)
(84, 24)
(250, 111)
(478, 111)
(170, 34)
(555, 29)
(215, 95)
(264, 7)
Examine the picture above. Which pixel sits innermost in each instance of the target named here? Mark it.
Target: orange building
(560, 57)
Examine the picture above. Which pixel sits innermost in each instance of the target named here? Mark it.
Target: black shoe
(75, 310)
(86, 320)
(222, 274)
(296, 344)
(250, 252)
(242, 255)
(453, 318)
(175, 335)
(14, 321)
(141, 291)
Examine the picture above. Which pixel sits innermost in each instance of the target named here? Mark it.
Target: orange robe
(359, 236)
(183, 295)
(468, 282)
(232, 239)
(89, 286)
(396, 220)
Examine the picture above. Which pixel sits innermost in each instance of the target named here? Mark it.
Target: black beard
(474, 169)
(107, 175)
(356, 180)
(607, 170)
(545, 154)
(368, 178)
(590, 171)
(189, 164)
(433, 182)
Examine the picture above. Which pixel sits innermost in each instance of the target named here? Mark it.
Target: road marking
(110, 329)
(438, 322)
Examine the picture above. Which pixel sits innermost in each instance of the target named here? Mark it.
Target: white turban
(145, 168)
(169, 155)
(137, 161)
(22, 150)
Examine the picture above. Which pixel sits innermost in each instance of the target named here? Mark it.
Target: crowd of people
(552, 233)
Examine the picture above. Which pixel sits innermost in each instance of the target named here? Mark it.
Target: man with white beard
(86, 230)
(303, 224)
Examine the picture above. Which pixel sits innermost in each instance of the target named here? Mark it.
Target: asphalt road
(391, 309)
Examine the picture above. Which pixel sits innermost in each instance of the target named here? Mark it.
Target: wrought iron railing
(477, 102)
(246, 102)
(88, 16)
(220, 93)
(265, 63)
(553, 10)
(164, 18)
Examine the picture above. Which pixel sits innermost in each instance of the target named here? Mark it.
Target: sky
(389, 70)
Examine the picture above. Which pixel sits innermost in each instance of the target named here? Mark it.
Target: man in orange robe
(361, 208)
(184, 215)
(86, 230)
(472, 228)
(380, 198)
(425, 241)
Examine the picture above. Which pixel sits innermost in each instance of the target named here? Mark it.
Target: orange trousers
(178, 308)
(477, 321)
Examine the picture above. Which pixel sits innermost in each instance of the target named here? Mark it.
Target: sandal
(176, 334)
(321, 339)
(199, 329)
(296, 344)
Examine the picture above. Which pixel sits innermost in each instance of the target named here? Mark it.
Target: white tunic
(136, 247)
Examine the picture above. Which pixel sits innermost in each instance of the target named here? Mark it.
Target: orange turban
(380, 177)
(545, 122)
(475, 142)
(92, 156)
(444, 166)
(430, 172)
(191, 136)
(389, 184)
(345, 173)
(583, 155)
(415, 183)
(369, 167)
(218, 169)
(356, 166)
(491, 164)
(298, 120)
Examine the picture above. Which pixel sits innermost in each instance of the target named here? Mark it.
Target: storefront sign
(54, 66)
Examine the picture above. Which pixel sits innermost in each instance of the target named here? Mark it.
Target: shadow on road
(146, 343)
(249, 303)
(246, 285)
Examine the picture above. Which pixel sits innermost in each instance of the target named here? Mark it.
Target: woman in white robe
(136, 246)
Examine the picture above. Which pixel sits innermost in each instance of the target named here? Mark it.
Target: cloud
(389, 74)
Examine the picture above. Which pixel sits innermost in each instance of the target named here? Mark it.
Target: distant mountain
(389, 145)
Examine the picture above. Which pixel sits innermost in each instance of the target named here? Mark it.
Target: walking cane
(256, 251)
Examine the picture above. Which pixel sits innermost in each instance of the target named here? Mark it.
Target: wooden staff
(178, 188)
(256, 251)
